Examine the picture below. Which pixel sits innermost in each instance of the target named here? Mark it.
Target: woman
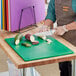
(64, 11)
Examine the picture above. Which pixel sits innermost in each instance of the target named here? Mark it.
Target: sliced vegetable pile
(45, 38)
(30, 38)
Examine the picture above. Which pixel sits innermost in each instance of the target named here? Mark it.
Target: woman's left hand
(59, 31)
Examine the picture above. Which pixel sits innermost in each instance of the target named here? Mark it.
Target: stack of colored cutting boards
(18, 14)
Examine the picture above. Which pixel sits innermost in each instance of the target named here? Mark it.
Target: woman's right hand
(43, 28)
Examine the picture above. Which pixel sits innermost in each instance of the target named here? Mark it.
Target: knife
(47, 33)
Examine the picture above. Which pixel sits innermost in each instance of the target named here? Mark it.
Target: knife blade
(47, 33)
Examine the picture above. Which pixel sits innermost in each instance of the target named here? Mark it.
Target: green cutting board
(40, 51)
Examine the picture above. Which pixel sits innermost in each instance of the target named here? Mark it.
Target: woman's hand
(60, 30)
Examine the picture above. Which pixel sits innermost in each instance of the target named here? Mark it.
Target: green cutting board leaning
(40, 51)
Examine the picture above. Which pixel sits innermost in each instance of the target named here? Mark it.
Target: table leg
(73, 67)
(24, 72)
(31, 71)
(13, 71)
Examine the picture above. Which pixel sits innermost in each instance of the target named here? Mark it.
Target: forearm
(71, 26)
(48, 22)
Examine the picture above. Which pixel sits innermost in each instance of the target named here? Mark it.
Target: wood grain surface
(17, 60)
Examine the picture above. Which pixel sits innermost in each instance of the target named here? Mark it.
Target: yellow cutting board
(3, 11)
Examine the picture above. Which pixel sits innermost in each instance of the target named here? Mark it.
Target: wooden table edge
(19, 63)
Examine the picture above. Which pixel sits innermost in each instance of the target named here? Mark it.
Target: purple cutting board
(28, 17)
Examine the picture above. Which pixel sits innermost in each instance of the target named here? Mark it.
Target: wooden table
(19, 63)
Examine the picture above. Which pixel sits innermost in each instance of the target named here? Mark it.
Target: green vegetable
(18, 38)
(26, 44)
